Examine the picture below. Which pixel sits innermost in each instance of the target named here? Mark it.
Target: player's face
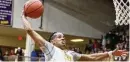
(59, 40)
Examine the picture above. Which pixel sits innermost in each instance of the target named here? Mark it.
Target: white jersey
(55, 54)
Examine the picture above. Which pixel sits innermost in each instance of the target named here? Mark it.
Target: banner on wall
(6, 12)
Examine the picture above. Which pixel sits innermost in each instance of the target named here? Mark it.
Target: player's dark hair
(52, 36)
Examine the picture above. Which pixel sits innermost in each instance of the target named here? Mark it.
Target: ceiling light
(77, 40)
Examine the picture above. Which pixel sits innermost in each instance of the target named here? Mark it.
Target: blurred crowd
(18, 55)
(118, 37)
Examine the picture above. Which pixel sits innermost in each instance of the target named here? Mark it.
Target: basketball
(33, 8)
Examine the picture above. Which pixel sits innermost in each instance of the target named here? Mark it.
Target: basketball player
(55, 47)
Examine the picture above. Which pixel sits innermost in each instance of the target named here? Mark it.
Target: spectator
(1, 55)
(12, 52)
(95, 46)
(89, 47)
(42, 57)
(108, 45)
(34, 56)
(19, 53)
(103, 42)
(6, 54)
(12, 56)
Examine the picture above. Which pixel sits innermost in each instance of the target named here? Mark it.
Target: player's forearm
(36, 37)
(100, 56)
(94, 57)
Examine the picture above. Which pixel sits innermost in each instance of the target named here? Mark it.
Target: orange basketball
(33, 8)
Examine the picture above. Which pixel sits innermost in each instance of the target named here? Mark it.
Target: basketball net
(122, 9)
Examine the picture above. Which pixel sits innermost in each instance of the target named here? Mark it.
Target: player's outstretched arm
(102, 56)
(34, 35)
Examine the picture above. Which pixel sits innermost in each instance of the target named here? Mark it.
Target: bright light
(77, 40)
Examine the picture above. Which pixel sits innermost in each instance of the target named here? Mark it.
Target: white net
(122, 12)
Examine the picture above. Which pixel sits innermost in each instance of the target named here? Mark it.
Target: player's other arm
(93, 57)
(102, 56)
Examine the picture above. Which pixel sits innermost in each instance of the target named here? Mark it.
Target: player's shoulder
(70, 51)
